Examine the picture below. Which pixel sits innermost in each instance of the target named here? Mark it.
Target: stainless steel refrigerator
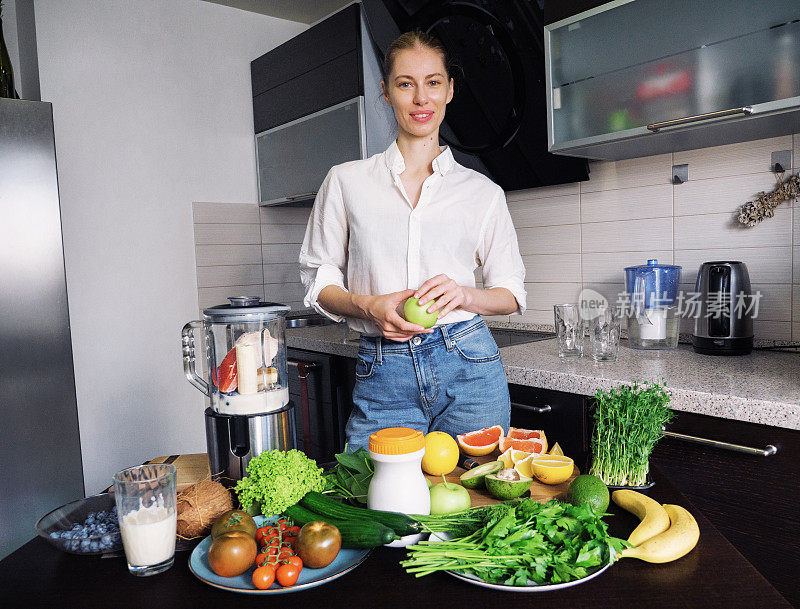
(40, 456)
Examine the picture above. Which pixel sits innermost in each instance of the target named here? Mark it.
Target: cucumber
(474, 478)
(355, 534)
(399, 523)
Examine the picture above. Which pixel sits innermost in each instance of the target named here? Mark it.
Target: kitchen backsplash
(571, 237)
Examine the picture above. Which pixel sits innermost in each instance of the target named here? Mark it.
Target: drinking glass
(604, 329)
(146, 509)
(569, 330)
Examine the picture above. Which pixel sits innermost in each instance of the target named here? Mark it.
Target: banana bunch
(665, 533)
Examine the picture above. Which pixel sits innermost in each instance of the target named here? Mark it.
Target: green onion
(627, 424)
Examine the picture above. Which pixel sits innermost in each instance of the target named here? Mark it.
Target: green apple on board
(417, 314)
(449, 497)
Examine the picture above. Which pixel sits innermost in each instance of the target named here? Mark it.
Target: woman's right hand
(382, 310)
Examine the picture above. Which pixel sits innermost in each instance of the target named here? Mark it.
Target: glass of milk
(146, 508)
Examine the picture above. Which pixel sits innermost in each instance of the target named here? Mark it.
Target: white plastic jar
(398, 484)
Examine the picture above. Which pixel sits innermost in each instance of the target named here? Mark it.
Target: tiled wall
(572, 236)
(583, 234)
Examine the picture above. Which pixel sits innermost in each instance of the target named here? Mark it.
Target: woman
(412, 222)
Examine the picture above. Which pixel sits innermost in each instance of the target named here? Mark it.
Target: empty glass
(604, 329)
(569, 330)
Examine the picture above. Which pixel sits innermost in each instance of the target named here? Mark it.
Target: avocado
(473, 478)
(507, 489)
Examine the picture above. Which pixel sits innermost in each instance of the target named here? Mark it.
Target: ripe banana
(678, 540)
(654, 519)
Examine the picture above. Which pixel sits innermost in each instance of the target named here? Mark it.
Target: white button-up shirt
(364, 227)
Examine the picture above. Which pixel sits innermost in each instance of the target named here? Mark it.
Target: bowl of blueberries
(85, 526)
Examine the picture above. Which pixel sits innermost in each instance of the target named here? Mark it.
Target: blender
(245, 380)
(653, 319)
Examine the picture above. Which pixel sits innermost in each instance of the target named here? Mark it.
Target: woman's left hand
(447, 293)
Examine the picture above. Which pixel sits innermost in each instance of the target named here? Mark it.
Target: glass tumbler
(146, 509)
(569, 330)
(604, 330)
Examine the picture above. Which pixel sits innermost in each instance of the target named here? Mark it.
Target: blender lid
(652, 264)
(247, 305)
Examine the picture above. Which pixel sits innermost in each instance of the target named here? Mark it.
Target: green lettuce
(277, 479)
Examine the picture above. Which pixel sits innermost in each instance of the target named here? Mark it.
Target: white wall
(152, 110)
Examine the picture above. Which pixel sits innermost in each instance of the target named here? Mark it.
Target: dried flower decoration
(753, 212)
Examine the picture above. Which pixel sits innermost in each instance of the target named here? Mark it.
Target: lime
(588, 489)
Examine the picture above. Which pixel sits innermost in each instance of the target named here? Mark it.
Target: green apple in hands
(417, 314)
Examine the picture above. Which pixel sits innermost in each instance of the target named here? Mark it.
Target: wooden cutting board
(540, 492)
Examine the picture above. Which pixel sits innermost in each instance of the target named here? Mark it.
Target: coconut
(199, 505)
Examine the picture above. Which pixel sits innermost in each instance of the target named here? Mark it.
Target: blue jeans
(451, 380)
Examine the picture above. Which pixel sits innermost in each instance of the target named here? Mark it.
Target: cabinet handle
(302, 195)
(761, 452)
(655, 127)
(543, 409)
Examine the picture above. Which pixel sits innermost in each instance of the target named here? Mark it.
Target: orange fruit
(480, 442)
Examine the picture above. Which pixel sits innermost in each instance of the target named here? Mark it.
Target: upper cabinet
(639, 77)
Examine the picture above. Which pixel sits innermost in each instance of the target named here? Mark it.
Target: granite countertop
(763, 387)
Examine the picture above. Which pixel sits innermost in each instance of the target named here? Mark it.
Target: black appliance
(724, 325)
(499, 110)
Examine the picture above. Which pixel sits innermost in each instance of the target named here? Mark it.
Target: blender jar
(653, 318)
(245, 348)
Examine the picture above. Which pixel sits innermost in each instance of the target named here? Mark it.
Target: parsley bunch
(524, 544)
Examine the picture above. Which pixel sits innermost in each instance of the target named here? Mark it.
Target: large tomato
(234, 521)
(318, 543)
(232, 554)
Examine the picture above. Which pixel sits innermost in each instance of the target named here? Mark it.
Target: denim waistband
(441, 335)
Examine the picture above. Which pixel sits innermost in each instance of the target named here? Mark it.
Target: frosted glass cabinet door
(293, 159)
(641, 62)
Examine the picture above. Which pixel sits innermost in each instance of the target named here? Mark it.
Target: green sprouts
(627, 425)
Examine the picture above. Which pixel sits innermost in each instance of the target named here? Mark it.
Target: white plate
(474, 579)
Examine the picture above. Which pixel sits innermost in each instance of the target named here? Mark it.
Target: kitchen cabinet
(310, 109)
(643, 77)
(752, 500)
(562, 416)
(313, 71)
(330, 391)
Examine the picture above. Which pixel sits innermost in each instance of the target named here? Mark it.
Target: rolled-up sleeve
(323, 256)
(498, 252)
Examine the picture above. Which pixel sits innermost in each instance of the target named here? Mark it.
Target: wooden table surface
(713, 576)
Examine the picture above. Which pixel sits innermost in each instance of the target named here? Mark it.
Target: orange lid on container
(396, 441)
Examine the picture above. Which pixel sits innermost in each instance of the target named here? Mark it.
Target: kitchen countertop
(713, 575)
(763, 387)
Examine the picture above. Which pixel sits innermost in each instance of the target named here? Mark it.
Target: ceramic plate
(473, 579)
(345, 561)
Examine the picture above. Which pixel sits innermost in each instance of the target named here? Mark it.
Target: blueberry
(95, 546)
(73, 545)
(55, 535)
(106, 540)
(86, 545)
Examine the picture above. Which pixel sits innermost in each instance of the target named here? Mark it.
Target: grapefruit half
(480, 442)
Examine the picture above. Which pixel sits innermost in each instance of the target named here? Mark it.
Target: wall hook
(680, 173)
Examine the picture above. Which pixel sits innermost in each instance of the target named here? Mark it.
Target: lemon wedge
(552, 469)
(519, 455)
(556, 450)
(524, 466)
(507, 459)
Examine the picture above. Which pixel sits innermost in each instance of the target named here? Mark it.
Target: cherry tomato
(285, 554)
(264, 577)
(273, 550)
(296, 561)
(293, 531)
(283, 525)
(290, 541)
(287, 575)
(274, 541)
(262, 559)
(261, 534)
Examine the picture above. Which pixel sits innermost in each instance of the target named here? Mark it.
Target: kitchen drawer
(336, 81)
(751, 499)
(561, 415)
(318, 45)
